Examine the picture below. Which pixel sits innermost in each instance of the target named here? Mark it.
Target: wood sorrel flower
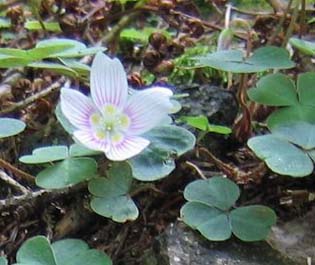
(112, 121)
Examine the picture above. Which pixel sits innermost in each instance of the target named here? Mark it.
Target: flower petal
(88, 139)
(147, 109)
(76, 107)
(108, 81)
(129, 147)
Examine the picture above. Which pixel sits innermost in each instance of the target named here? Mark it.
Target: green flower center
(110, 124)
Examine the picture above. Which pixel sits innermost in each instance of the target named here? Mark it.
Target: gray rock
(180, 245)
(296, 239)
(219, 105)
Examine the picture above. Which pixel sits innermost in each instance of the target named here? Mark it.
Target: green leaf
(303, 46)
(274, 90)
(77, 252)
(40, 53)
(230, 61)
(38, 251)
(263, 59)
(82, 69)
(110, 195)
(34, 54)
(217, 192)
(299, 133)
(12, 61)
(311, 154)
(212, 223)
(3, 260)
(219, 129)
(252, 223)
(12, 52)
(46, 154)
(10, 127)
(35, 25)
(200, 122)
(91, 256)
(157, 160)
(306, 88)
(141, 36)
(278, 90)
(124, 210)
(55, 67)
(68, 248)
(78, 49)
(35, 251)
(73, 46)
(67, 173)
(117, 183)
(271, 57)
(290, 115)
(77, 150)
(151, 164)
(281, 156)
(171, 138)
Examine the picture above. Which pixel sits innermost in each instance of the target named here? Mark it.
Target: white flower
(111, 121)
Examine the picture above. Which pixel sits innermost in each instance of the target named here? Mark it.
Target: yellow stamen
(124, 121)
(116, 137)
(110, 110)
(101, 135)
(95, 119)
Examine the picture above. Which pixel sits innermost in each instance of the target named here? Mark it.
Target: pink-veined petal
(76, 107)
(88, 139)
(129, 147)
(108, 81)
(147, 109)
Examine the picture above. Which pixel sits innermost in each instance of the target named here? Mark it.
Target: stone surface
(296, 239)
(180, 245)
(219, 105)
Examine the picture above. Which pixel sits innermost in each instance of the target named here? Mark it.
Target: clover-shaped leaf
(110, 195)
(3, 261)
(306, 88)
(67, 173)
(291, 114)
(172, 139)
(264, 58)
(252, 223)
(212, 223)
(152, 164)
(218, 192)
(281, 156)
(39, 251)
(157, 160)
(10, 127)
(53, 153)
(289, 149)
(72, 170)
(279, 90)
(46, 154)
(300, 133)
(209, 211)
(274, 90)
